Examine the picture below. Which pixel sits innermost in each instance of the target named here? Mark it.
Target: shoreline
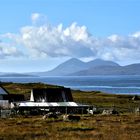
(112, 85)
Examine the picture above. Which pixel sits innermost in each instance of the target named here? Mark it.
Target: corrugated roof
(48, 104)
(51, 95)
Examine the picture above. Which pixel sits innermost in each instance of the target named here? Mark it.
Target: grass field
(125, 126)
(96, 127)
(122, 103)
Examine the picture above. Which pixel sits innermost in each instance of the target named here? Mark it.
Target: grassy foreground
(97, 127)
(125, 126)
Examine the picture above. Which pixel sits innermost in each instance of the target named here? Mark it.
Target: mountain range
(76, 67)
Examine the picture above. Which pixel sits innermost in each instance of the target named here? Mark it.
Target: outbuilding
(4, 102)
(53, 100)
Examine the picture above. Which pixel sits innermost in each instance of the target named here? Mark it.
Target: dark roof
(16, 97)
(52, 95)
(13, 97)
(3, 91)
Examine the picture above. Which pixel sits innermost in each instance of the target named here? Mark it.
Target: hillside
(74, 66)
(15, 75)
(70, 66)
(100, 62)
(133, 69)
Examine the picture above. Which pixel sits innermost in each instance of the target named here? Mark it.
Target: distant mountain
(100, 70)
(133, 69)
(99, 62)
(70, 66)
(74, 66)
(14, 75)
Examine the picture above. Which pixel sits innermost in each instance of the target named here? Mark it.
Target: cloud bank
(8, 50)
(46, 40)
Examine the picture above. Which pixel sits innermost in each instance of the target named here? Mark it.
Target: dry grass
(122, 103)
(98, 127)
(123, 127)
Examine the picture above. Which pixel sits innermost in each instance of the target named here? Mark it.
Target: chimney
(32, 96)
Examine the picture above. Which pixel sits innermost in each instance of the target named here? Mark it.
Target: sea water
(128, 84)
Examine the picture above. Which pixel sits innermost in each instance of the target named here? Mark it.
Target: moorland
(123, 126)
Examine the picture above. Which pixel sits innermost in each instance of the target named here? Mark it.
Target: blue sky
(37, 35)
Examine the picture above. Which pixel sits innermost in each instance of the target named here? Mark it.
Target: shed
(4, 103)
(52, 99)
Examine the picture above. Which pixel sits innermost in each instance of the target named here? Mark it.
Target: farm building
(6, 98)
(4, 103)
(52, 99)
(51, 95)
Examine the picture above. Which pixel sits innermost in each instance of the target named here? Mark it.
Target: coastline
(107, 84)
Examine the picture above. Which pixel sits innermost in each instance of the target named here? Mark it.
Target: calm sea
(108, 84)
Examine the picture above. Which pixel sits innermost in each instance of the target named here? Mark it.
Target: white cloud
(55, 41)
(38, 19)
(35, 17)
(114, 38)
(136, 35)
(7, 50)
(46, 40)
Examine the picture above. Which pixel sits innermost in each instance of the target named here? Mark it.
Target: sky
(37, 35)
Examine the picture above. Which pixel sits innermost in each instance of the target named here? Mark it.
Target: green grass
(25, 88)
(120, 102)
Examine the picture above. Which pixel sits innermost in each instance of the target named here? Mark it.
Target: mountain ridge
(133, 69)
(76, 67)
